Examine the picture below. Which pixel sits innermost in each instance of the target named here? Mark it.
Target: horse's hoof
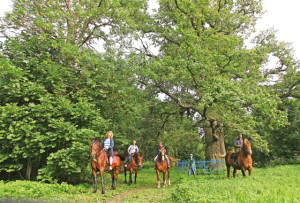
(158, 186)
(94, 191)
(164, 186)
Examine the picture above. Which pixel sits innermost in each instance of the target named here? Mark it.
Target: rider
(160, 145)
(131, 150)
(107, 145)
(238, 143)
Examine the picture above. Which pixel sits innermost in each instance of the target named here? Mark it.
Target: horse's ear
(97, 139)
(249, 138)
(92, 139)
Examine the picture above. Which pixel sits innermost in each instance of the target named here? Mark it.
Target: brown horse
(135, 164)
(162, 166)
(244, 160)
(99, 164)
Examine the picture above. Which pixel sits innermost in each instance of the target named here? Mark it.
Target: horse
(244, 160)
(162, 166)
(135, 164)
(99, 163)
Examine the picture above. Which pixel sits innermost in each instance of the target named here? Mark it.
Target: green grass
(274, 184)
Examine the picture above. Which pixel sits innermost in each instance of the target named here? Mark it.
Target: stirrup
(125, 165)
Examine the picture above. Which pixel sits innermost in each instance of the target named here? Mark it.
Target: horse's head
(139, 159)
(162, 153)
(247, 147)
(95, 147)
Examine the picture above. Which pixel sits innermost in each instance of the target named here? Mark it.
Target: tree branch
(172, 96)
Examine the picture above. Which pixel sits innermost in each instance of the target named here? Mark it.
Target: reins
(97, 153)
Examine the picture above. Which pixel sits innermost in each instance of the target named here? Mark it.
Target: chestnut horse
(135, 164)
(162, 166)
(99, 164)
(244, 160)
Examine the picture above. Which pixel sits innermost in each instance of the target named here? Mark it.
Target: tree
(77, 22)
(55, 97)
(283, 77)
(204, 66)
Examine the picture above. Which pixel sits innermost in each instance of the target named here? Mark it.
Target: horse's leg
(234, 172)
(158, 179)
(130, 176)
(136, 171)
(169, 171)
(95, 180)
(165, 182)
(250, 171)
(228, 171)
(243, 172)
(102, 180)
(125, 173)
(112, 179)
(116, 177)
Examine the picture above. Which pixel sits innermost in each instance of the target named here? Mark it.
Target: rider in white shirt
(131, 150)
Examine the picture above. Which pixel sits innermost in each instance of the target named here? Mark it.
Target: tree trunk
(28, 171)
(214, 139)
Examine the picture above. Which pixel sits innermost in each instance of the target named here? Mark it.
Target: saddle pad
(114, 160)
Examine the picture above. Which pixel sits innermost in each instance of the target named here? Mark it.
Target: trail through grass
(276, 184)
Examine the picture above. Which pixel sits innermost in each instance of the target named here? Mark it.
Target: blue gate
(204, 166)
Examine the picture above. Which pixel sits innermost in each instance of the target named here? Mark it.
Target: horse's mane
(95, 141)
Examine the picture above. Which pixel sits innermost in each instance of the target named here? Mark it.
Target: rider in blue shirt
(160, 145)
(238, 143)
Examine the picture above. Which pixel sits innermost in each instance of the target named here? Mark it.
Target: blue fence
(204, 166)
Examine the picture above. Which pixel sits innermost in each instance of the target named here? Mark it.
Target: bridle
(96, 149)
(245, 148)
(137, 158)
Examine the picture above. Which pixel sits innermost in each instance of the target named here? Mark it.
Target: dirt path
(120, 197)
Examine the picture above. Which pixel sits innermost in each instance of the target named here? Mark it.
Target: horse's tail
(119, 155)
(220, 155)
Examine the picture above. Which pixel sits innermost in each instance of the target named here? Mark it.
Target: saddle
(113, 161)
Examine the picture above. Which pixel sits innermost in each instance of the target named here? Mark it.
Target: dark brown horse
(244, 160)
(162, 166)
(99, 164)
(135, 164)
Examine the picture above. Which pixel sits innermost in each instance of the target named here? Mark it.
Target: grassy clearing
(276, 184)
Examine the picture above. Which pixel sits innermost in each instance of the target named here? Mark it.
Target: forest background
(182, 74)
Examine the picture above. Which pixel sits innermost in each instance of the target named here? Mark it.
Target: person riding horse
(238, 143)
(132, 149)
(160, 145)
(108, 144)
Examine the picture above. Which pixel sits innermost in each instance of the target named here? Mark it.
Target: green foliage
(268, 184)
(46, 111)
(34, 190)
